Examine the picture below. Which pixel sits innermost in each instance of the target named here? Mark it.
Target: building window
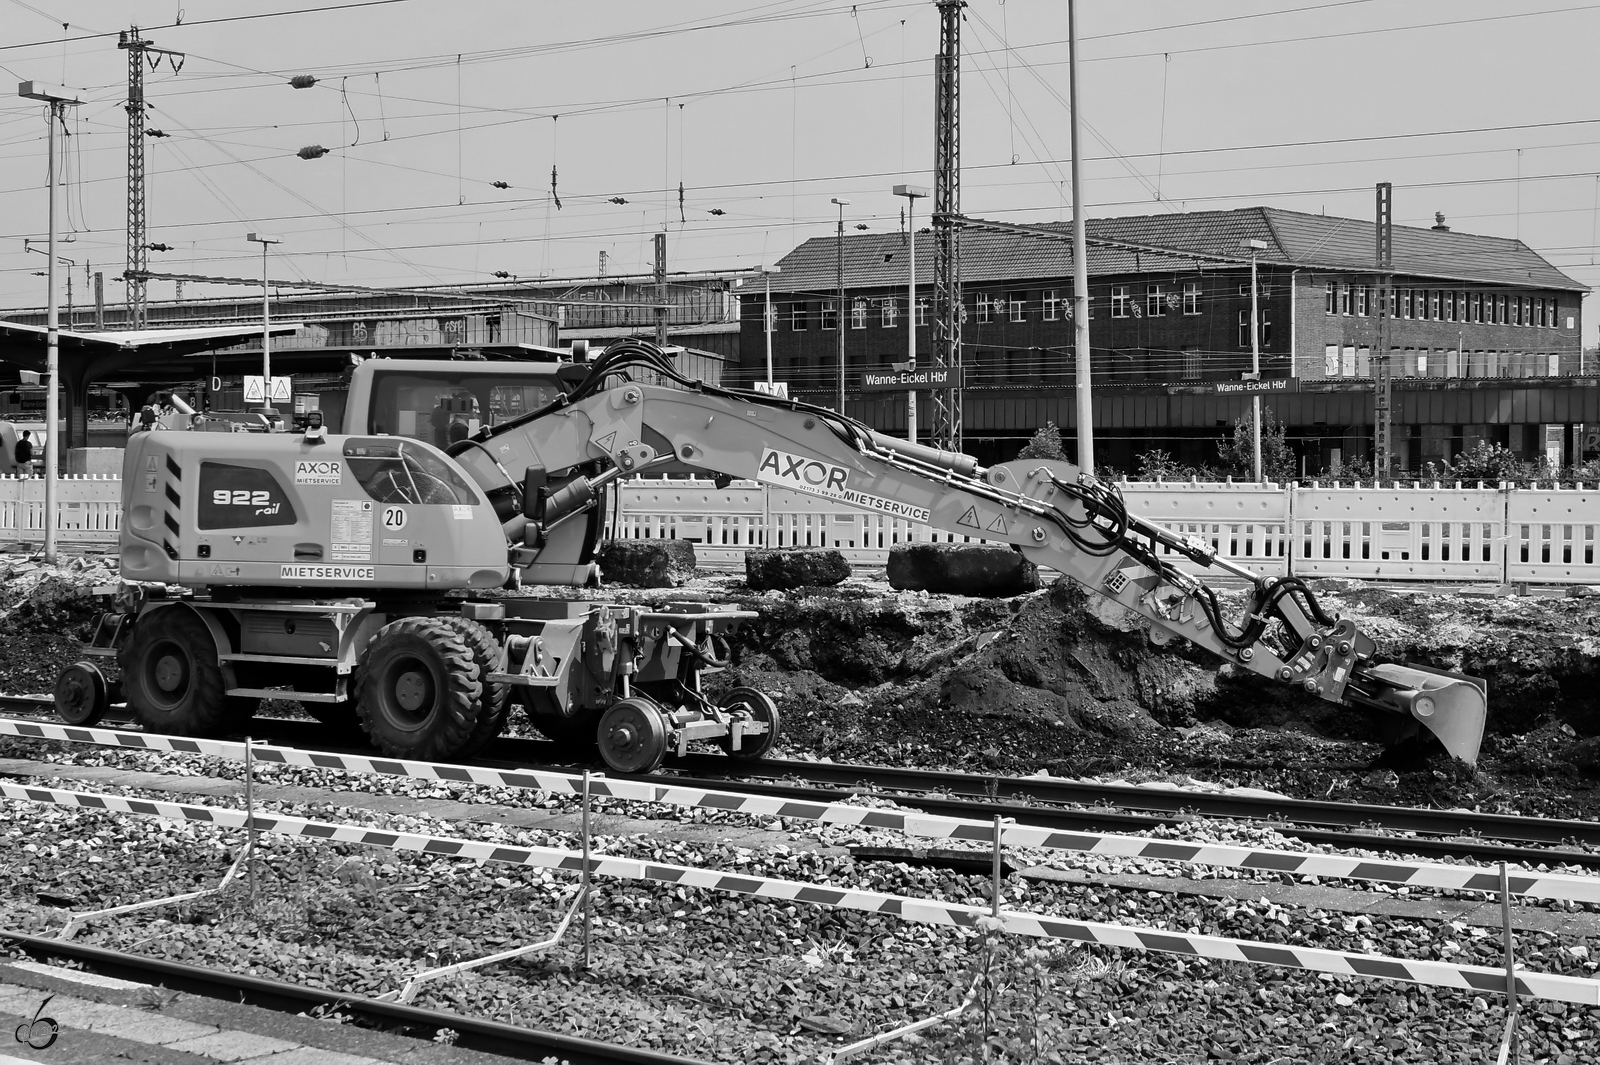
(922, 310)
(1344, 299)
(1475, 307)
(1155, 301)
(1331, 296)
(1361, 300)
(1192, 361)
(983, 307)
(830, 314)
(1019, 303)
(1501, 314)
(1527, 310)
(1265, 326)
(1435, 299)
(1330, 360)
(890, 310)
(858, 313)
(797, 317)
(1191, 297)
(1553, 318)
(1449, 306)
(1052, 305)
(1405, 303)
(1119, 301)
(1516, 311)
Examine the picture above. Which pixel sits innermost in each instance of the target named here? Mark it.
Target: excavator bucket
(1451, 706)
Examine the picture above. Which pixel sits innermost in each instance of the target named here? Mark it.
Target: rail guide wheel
(633, 736)
(82, 696)
(749, 705)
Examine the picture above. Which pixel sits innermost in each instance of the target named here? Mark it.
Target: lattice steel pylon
(138, 258)
(1382, 367)
(138, 246)
(947, 312)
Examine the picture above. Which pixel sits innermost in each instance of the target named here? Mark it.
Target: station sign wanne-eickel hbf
(906, 380)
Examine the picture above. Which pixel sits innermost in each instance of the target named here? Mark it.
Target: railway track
(491, 1037)
(1067, 805)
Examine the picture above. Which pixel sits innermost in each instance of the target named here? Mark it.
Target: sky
(763, 112)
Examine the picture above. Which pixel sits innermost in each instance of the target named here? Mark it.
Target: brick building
(1485, 335)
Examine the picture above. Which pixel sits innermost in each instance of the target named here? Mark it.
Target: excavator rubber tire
(494, 705)
(171, 676)
(760, 707)
(417, 693)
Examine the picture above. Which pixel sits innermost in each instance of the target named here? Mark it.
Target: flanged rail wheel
(494, 705)
(417, 696)
(633, 738)
(752, 705)
(171, 675)
(82, 696)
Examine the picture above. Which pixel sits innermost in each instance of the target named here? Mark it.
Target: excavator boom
(544, 470)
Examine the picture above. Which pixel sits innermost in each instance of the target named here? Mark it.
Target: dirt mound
(44, 612)
(1036, 681)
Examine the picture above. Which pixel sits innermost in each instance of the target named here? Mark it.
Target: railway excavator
(384, 580)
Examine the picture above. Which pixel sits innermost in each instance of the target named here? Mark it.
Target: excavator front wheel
(633, 738)
(494, 705)
(748, 704)
(171, 675)
(417, 695)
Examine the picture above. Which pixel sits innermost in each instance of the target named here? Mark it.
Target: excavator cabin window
(401, 471)
(440, 409)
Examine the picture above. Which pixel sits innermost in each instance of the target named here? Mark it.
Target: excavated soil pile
(44, 612)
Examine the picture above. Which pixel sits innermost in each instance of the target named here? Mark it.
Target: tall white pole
(266, 335)
(1080, 261)
(911, 320)
(767, 324)
(1255, 369)
(52, 364)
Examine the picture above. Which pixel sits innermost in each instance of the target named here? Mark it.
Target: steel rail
(1035, 801)
(490, 1037)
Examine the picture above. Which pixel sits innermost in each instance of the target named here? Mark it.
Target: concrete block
(961, 569)
(647, 563)
(795, 567)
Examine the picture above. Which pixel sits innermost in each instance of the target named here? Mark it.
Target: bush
(1491, 464)
(1238, 453)
(1045, 444)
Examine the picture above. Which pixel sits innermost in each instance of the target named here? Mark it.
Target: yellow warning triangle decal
(998, 524)
(969, 518)
(606, 441)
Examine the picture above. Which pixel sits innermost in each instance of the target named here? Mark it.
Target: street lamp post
(1254, 247)
(911, 192)
(839, 318)
(267, 411)
(767, 321)
(59, 99)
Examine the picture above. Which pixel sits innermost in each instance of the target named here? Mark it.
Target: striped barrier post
(1570, 887)
(1481, 979)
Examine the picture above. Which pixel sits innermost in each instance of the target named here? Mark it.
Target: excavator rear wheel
(171, 675)
(494, 705)
(417, 695)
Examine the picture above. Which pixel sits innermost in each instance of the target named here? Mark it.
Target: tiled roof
(1293, 239)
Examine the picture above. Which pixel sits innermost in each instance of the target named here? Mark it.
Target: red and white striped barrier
(1436, 974)
(1567, 886)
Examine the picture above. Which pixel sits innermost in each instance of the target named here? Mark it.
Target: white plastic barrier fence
(1551, 535)
(1453, 534)
(1443, 532)
(88, 509)
(1248, 523)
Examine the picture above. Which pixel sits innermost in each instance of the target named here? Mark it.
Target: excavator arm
(546, 471)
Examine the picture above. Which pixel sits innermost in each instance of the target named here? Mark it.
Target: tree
(1045, 444)
(1238, 454)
